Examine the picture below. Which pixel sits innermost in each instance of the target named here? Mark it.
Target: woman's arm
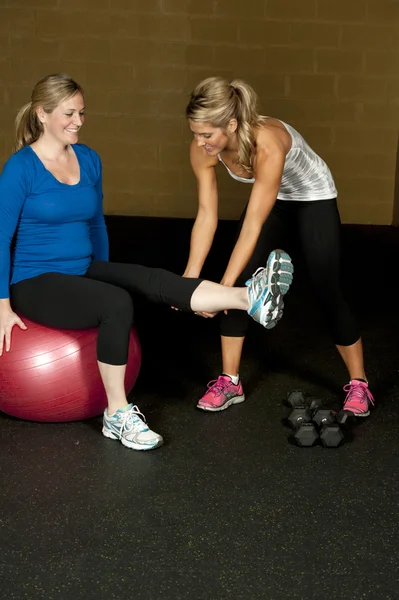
(98, 229)
(268, 170)
(14, 190)
(206, 221)
(13, 193)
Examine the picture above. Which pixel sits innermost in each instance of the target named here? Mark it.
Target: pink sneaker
(358, 398)
(221, 394)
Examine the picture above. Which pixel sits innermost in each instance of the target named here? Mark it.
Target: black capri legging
(100, 298)
(316, 225)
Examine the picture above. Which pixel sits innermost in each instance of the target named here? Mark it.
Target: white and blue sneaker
(267, 287)
(128, 425)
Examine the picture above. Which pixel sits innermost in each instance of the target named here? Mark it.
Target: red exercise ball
(51, 375)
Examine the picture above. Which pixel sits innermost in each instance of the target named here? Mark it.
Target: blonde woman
(59, 274)
(293, 193)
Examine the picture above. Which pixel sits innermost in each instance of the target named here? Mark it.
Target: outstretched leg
(261, 298)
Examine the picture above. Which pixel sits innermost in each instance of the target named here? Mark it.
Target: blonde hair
(216, 101)
(48, 93)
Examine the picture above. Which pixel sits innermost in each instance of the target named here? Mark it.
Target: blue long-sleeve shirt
(57, 227)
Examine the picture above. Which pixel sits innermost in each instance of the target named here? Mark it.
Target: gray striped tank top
(305, 177)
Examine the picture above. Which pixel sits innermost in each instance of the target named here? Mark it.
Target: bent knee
(119, 305)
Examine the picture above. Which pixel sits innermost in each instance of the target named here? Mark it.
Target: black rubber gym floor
(227, 508)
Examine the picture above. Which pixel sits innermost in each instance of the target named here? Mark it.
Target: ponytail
(247, 118)
(28, 128)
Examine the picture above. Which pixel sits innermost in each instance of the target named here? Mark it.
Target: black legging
(100, 298)
(316, 225)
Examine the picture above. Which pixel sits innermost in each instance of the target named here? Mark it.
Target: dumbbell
(330, 432)
(346, 419)
(295, 398)
(311, 422)
(305, 433)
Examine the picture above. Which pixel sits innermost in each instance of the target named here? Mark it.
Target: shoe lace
(255, 281)
(218, 386)
(131, 420)
(360, 392)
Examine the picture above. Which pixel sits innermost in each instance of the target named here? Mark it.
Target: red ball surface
(51, 375)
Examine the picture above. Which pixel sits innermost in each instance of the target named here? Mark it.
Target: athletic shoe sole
(229, 402)
(279, 283)
(150, 446)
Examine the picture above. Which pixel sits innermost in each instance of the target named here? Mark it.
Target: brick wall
(329, 67)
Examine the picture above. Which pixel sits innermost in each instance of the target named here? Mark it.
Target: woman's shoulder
(88, 158)
(20, 161)
(85, 151)
(271, 133)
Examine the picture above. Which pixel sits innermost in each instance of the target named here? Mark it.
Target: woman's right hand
(7, 321)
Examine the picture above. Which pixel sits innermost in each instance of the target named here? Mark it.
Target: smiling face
(64, 122)
(213, 139)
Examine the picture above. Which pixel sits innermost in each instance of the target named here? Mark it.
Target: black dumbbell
(330, 432)
(296, 398)
(315, 405)
(329, 424)
(346, 419)
(299, 415)
(305, 433)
